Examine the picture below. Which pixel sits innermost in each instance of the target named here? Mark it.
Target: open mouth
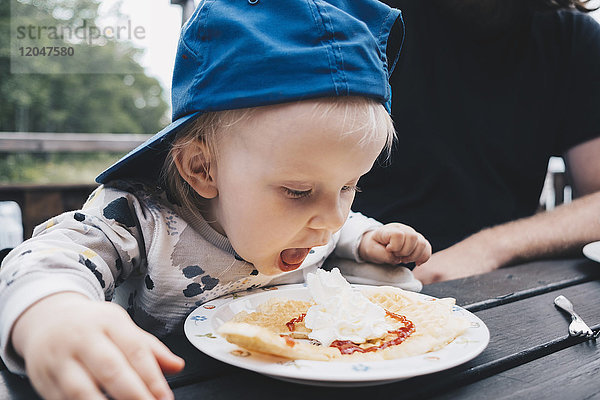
(290, 259)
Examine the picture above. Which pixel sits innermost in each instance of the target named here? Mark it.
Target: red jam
(289, 341)
(347, 347)
(292, 323)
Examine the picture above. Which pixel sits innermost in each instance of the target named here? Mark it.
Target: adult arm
(562, 231)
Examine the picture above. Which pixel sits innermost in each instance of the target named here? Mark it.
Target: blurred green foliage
(66, 102)
(129, 102)
(53, 167)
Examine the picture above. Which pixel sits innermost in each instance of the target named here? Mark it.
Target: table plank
(510, 323)
(197, 364)
(571, 373)
(13, 387)
(513, 283)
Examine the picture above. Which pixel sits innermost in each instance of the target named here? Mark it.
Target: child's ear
(194, 165)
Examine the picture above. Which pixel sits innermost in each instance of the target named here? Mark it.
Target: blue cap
(248, 53)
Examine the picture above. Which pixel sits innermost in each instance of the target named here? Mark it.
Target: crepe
(277, 328)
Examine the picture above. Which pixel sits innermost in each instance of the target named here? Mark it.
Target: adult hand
(458, 261)
(393, 244)
(77, 348)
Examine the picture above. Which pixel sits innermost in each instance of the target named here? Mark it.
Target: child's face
(286, 181)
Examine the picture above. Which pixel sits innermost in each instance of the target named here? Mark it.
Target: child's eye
(297, 194)
(350, 188)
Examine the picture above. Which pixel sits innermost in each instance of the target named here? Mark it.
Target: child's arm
(74, 346)
(366, 239)
(52, 308)
(393, 244)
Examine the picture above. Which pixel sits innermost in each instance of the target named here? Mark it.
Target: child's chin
(277, 266)
(270, 269)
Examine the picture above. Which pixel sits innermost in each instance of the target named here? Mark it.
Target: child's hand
(393, 244)
(75, 348)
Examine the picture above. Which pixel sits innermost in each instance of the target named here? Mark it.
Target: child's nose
(329, 214)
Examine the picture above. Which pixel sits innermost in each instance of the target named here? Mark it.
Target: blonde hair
(361, 114)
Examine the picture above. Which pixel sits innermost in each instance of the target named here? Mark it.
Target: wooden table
(530, 355)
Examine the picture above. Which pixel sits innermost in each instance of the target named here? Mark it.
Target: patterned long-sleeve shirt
(131, 244)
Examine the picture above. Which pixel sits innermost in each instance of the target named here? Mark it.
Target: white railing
(13, 142)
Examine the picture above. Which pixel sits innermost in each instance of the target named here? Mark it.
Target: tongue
(294, 256)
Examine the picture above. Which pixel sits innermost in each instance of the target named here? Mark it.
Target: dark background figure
(484, 92)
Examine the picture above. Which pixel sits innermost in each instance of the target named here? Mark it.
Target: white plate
(592, 251)
(201, 326)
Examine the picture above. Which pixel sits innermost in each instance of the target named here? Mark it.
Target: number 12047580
(47, 51)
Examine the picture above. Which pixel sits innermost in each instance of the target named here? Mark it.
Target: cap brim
(146, 160)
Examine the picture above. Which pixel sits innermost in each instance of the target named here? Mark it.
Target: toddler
(278, 108)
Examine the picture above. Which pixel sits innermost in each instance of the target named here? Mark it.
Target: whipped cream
(340, 312)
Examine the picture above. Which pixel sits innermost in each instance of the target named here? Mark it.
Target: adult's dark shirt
(478, 119)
